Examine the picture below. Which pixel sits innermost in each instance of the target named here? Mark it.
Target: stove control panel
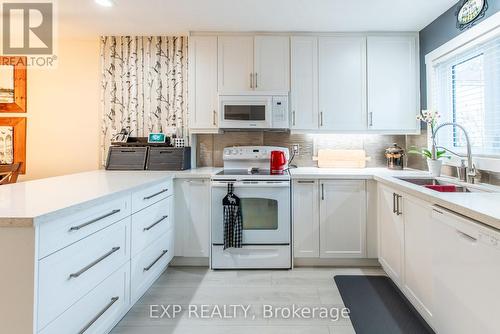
(251, 152)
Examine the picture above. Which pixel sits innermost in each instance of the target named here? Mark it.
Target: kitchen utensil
(395, 157)
(278, 162)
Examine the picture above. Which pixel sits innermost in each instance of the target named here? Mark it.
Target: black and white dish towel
(233, 222)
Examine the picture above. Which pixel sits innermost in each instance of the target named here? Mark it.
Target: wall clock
(469, 11)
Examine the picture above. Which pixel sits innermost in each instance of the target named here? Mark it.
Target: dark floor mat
(378, 307)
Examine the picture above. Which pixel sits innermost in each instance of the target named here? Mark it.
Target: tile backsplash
(210, 147)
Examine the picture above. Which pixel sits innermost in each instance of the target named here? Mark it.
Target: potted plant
(433, 155)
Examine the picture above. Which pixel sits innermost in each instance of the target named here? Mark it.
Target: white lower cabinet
(148, 265)
(418, 255)
(405, 229)
(71, 273)
(192, 217)
(101, 267)
(342, 219)
(149, 224)
(391, 233)
(305, 218)
(329, 218)
(98, 311)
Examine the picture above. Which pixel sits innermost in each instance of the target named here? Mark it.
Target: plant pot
(435, 167)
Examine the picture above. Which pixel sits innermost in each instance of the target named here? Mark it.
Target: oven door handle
(252, 184)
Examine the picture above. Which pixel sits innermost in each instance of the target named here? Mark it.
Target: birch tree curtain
(143, 85)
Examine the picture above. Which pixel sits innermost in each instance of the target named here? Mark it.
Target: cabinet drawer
(67, 275)
(149, 264)
(98, 311)
(65, 230)
(147, 196)
(150, 223)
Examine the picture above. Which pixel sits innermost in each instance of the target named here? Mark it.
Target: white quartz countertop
(351, 173)
(481, 206)
(31, 199)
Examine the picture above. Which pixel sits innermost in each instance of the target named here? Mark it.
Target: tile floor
(184, 286)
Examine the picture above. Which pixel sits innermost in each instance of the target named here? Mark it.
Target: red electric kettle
(278, 162)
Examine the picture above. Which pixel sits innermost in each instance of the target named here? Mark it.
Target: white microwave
(253, 111)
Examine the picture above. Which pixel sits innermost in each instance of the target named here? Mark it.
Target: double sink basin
(443, 185)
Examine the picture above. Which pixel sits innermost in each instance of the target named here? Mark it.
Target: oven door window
(245, 113)
(259, 213)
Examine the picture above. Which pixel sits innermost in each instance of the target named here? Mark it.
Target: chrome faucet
(471, 168)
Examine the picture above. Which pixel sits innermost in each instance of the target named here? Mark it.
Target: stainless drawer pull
(155, 223)
(398, 211)
(302, 181)
(394, 203)
(98, 315)
(155, 194)
(87, 267)
(76, 228)
(157, 259)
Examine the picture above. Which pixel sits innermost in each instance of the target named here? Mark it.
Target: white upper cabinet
(338, 83)
(343, 219)
(235, 64)
(304, 85)
(342, 83)
(393, 89)
(248, 63)
(203, 83)
(272, 63)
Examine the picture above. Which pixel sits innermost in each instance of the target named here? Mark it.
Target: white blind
(466, 90)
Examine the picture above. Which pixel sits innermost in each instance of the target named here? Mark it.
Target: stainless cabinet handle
(214, 118)
(393, 202)
(93, 263)
(95, 220)
(370, 119)
(251, 80)
(398, 211)
(98, 315)
(303, 181)
(322, 192)
(321, 118)
(157, 259)
(256, 80)
(155, 194)
(293, 117)
(154, 224)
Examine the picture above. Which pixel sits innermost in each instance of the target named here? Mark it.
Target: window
(466, 90)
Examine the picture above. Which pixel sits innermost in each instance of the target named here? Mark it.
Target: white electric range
(265, 205)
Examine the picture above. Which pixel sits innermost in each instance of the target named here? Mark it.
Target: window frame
(484, 31)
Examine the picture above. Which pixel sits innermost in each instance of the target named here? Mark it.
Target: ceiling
(156, 17)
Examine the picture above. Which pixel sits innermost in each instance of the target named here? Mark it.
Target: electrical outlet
(295, 149)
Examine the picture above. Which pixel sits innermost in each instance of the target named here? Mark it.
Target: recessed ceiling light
(105, 3)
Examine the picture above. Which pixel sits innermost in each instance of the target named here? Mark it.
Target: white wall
(64, 112)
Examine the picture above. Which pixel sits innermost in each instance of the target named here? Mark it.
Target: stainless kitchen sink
(461, 188)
